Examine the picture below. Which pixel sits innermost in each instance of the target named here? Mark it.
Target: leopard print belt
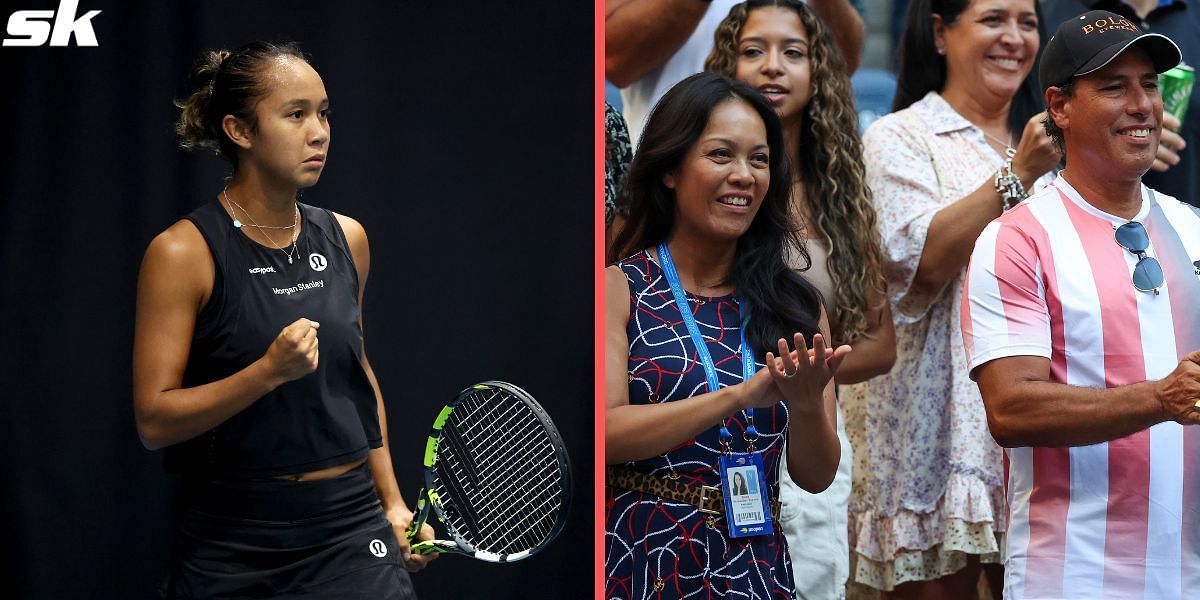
(706, 498)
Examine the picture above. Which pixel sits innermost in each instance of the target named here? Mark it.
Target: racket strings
(499, 475)
(494, 480)
(490, 530)
(532, 525)
(499, 452)
(455, 489)
(522, 525)
(528, 509)
(497, 490)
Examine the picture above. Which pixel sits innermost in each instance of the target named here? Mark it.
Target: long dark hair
(830, 167)
(777, 299)
(922, 70)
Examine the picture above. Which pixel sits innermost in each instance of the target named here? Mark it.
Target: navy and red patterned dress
(661, 549)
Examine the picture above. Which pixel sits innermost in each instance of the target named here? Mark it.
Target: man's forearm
(1048, 414)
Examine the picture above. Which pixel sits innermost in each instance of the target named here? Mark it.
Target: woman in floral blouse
(927, 506)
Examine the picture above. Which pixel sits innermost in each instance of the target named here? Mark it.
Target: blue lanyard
(710, 370)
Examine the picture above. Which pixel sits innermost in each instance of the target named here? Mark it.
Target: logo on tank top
(317, 262)
(261, 270)
(377, 547)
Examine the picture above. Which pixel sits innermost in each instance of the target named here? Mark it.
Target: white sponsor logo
(317, 262)
(32, 27)
(260, 270)
(378, 548)
(299, 287)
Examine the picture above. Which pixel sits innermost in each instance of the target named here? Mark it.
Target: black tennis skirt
(275, 538)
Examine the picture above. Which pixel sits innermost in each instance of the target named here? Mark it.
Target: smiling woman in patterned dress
(704, 188)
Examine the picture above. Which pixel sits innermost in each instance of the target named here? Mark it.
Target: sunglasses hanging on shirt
(1147, 273)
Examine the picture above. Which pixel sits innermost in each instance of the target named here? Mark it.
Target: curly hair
(830, 166)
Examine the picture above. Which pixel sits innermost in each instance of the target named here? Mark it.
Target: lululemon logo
(377, 547)
(317, 262)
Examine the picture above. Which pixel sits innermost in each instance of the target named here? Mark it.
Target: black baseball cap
(1092, 40)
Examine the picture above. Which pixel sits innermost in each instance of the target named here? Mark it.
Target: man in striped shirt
(1081, 322)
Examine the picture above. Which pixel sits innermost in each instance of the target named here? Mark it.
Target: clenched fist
(295, 352)
(1036, 153)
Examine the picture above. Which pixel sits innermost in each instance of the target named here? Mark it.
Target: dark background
(461, 139)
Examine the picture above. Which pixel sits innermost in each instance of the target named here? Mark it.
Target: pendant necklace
(1008, 149)
(262, 228)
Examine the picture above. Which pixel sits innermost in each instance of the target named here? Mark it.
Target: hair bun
(206, 67)
(225, 82)
(192, 129)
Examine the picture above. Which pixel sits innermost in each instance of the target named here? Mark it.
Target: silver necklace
(238, 224)
(1008, 149)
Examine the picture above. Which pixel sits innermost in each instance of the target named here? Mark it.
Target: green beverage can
(1176, 88)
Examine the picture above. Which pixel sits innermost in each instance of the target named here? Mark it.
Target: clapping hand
(802, 374)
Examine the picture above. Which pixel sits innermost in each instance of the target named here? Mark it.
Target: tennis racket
(497, 476)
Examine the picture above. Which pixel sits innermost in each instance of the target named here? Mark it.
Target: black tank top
(323, 419)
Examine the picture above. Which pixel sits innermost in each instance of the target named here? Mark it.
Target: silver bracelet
(1009, 186)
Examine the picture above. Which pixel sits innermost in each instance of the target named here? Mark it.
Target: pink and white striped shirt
(1112, 520)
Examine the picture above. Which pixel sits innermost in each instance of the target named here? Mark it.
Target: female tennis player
(702, 302)
(248, 357)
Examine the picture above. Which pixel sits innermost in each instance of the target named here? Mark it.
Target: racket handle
(431, 546)
(419, 517)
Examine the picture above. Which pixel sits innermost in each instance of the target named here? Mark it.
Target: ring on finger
(787, 375)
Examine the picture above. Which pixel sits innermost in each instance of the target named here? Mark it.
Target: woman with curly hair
(784, 50)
